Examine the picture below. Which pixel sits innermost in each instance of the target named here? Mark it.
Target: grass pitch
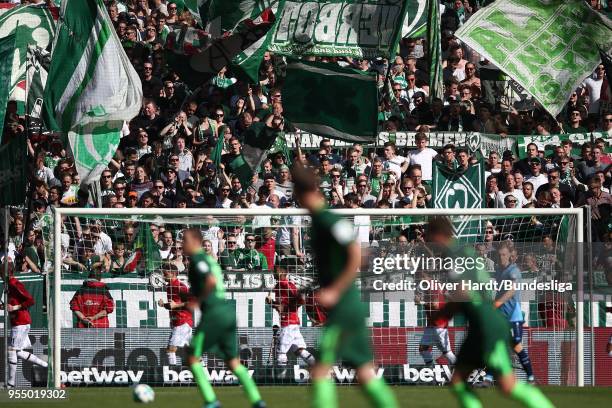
(299, 396)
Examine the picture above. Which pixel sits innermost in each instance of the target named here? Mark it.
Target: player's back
(200, 267)
(330, 236)
(288, 296)
(177, 292)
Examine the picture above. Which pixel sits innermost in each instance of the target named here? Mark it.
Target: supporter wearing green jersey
(486, 344)
(216, 331)
(345, 335)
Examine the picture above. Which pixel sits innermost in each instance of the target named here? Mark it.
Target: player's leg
(517, 345)
(21, 341)
(12, 359)
(500, 364)
(443, 344)
(283, 345)
(171, 353)
(298, 346)
(250, 388)
(323, 387)
(196, 349)
(426, 345)
(466, 396)
(228, 350)
(375, 388)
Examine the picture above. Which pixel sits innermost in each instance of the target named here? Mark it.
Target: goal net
(112, 278)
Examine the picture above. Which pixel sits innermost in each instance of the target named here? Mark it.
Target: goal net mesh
(117, 263)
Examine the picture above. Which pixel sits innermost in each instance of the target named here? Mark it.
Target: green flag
(38, 62)
(92, 87)
(13, 172)
(33, 25)
(458, 189)
(145, 254)
(548, 47)
(7, 49)
(415, 21)
(220, 16)
(331, 101)
(434, 42)
(354, 28)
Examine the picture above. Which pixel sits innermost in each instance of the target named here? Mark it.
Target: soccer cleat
(260, 404)
(531, 380)
(486, 383)
(215, 404)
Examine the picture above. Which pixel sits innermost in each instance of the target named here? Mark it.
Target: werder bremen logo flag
(459, 189)
(548, 47)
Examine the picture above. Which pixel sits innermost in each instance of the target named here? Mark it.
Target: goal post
(195, 217)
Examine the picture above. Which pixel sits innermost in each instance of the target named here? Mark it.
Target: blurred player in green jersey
(216, 331)
(486, 344)
(345, 335)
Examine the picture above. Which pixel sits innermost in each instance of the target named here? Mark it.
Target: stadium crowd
(165, 157)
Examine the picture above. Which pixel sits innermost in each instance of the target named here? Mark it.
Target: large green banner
(354, 28)
(547, 143)
(452, 188)
(7, 48)
(547, 46)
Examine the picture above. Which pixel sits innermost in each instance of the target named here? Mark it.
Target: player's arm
(504, 298)
(108, 307)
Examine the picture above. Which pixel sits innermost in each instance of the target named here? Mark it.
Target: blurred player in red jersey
(609, 346)
(316, 313)
(436, 332)
(92, 303)
(181, 318)
(287, 301)
(19, 301)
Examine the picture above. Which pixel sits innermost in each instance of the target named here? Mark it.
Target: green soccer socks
(530, 396)
(380, 394)
(466, 396)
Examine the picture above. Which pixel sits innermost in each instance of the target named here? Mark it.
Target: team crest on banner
(473, 142)
(459, 189)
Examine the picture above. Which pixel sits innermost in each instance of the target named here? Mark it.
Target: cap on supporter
(535, 160)
(401, 81)
(170, 170)
(405, 200)
(187, 186)
(418, 95)
(268, 176)
(96, 223)
(133, 194)
(211, 166)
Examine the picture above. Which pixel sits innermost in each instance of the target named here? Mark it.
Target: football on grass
(143, 393)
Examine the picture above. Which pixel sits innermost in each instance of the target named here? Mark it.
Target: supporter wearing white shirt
(423, 156)
(393, 162)
(537, 178)
(184, 155)
(592, 86)
(509, 188)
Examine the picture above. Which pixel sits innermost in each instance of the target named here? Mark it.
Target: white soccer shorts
(436, 336)
(181, 336)
(290, 336)
(19, 337)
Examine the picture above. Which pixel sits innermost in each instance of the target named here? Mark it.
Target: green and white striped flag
(92, 87)
(434, 42)
(7, 49)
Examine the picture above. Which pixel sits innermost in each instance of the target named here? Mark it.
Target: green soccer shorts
(345, 335)
(216, 333)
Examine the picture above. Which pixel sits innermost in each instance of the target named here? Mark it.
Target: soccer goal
(115, 272)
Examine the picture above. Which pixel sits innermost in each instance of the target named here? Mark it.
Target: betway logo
(215, 376)
(438, 373)
(94, 376)
(341, 374)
